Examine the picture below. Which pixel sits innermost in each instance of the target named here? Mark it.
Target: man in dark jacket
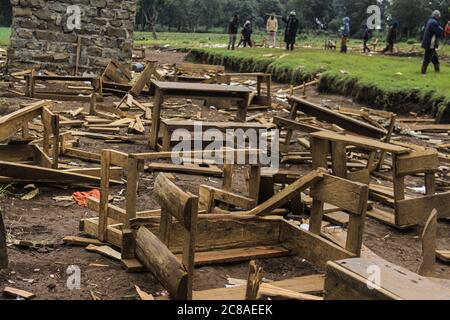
(433, 31)
(246, 35)
(391, 38)
(233, 28)
(290, 34)
(366, 38)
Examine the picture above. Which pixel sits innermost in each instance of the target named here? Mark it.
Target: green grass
(4, 36)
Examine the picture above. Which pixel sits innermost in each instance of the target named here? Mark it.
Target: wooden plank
(313, 248)
(443, 255)
(210, 194)
(13, 292)
(45, 175)
(417, 162)
(348, 280)
(357, 141)
(105, 251)
(288, 193)
(268, 290)
(309, 284)
(345, 122)
(340, 193)
(238, 255)
(144, 79)
(199, 87)
(194, 169)
(414, 211)
(80, 241)
(295, 125)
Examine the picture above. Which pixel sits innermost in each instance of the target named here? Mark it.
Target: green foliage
(5, 33)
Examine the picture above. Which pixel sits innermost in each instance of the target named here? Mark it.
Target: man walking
(233, 28)
(431, 36)
(272, 29)
(391, 38)
(247, 32)
(290, 33)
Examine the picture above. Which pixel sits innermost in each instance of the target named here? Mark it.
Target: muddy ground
(43, 271)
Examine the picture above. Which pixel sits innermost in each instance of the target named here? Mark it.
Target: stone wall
(45, 33)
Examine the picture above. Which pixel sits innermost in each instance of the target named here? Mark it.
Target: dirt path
(43, 271)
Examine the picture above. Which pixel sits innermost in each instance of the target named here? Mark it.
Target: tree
(5, 13)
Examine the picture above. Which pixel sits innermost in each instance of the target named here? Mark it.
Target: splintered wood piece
(428, 265)
(268, 290)
(144, 295)
(80, 241)
(443, 255)
(289, 193)
(254, 281)
(105, 251)
(13, 292)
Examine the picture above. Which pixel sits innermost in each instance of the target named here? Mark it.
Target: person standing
(247, 32)
(345, 34)
(366, 38)
(430, 43)
(447, 33)
(391, 38)
(233, 28)
(272, 29)
(290, 33)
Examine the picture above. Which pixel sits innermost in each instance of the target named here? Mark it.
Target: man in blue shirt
(431, 36)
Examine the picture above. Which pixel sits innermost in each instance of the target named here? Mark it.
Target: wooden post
(104, 196)
(255, 181)
(156, 118)
(132, 189)
(254, 280)
(55, 144)
(339, 159)
(3, 249)
(387, 140)
(320, 150)
(430, 183)
(315, 221)
(242, 108)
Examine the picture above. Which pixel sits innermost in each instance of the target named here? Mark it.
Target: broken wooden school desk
(252, 234)
(261, 78)
(308, 244)
(192, 72)
(164, 90)
(19, 120)
(356, 279)
(116, 78)
(101, 227)
(95, 94)
(407, 212)
(168, 127)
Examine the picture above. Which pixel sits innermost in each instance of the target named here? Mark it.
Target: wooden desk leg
(156, 118)
(315, 221)
(258, 85)
(320, 149)
(339, 159)
(243, 108)
(254, 182)
(132, 189)
(104, 196)
(166, 139)
(430, 183)
(269, 89)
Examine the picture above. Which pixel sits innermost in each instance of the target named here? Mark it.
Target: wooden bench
(164, 90)
(358, 279)
(19, 120)
(168, 127)
(261, 78)
(192, 72)
(407, 212)
(332, 117)
(93, 94)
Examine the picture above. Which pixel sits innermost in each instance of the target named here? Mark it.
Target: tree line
(314, 15)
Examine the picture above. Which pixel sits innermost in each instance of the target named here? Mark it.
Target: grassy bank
(389, 83)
